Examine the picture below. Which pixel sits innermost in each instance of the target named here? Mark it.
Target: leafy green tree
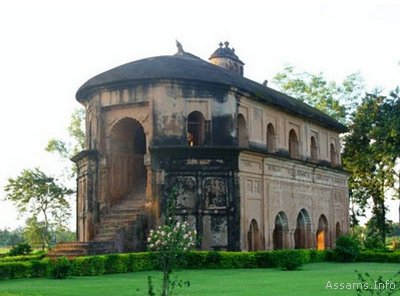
(76, 142)
(337, 100)
(38, 195)
(370, 155)
(35, 232)
(10, 237)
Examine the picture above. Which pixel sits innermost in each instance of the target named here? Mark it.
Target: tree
(35, 232)
(370, 154)
(337, 100)
(371, 147)
(66, 149)
(10, 237)
(39, 195)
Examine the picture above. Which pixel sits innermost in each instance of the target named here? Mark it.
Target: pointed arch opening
(196, 129)
(281, 232)
(322, 233)
(303, 230)
(293, 144)
(126, 157)
(271, 138)
(313, 149)
(242, 132)
(254, 239)
(338, 230)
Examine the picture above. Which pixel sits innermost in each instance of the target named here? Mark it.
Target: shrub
(12, 270)
(89, 265)
(141, 261)
(39, 268)
(263, 259)
(22, 258)
(116, 263)
(379, 256)
(290, 259)
(213, 259)
(318, 256)
(347, 249)
(21, 249)
(231, 260)
(61, 268)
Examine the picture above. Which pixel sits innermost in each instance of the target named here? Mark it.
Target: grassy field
(4, 250)
(312, 279)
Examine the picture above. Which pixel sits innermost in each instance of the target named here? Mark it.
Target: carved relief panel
(186, 191)
(215, 192)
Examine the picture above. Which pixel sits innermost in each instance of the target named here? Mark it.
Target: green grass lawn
(311, 280)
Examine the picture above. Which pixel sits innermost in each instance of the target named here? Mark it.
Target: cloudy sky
(49, 48)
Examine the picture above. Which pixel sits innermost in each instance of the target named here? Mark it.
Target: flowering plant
(176, 237)
(170, 241)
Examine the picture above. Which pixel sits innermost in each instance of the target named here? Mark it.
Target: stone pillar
(86, 204)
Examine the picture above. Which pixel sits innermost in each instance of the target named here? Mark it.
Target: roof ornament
(179, 46)
(226, 44)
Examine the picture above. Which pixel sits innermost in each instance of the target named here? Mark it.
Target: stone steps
(119, 216)
(122, 215)
(73, 249)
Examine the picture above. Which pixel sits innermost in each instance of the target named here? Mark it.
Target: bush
(141, 261)
(22, 258)
(13, 270)
(88, 265)
(318, 256)
(347, 249)
(116, 263)
(263, 259)
(379, 256)
(61, 268)
(290, 259)
(231, 260)
(39, 268)
(21, 249)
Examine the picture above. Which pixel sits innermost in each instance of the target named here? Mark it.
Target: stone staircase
(118, 218)
(122, 214)
(73, 249)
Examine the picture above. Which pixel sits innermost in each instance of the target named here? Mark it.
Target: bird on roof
(179, 46)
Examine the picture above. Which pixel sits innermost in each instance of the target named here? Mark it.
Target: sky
(50, 48)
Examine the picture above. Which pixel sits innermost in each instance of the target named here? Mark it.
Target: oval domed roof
(187, 67)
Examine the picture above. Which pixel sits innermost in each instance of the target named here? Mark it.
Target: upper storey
(186, 67)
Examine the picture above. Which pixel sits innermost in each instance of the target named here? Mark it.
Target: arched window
(196, 129)
(314, 149)
(334, 156)
(271, 138)
(281, 231)
(293, 144)
(243, 135)
(322, 233)
(254, 236)
(303, 230)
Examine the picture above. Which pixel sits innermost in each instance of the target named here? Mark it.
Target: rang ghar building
(252, 168)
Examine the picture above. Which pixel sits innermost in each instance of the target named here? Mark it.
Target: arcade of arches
(303, 237)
